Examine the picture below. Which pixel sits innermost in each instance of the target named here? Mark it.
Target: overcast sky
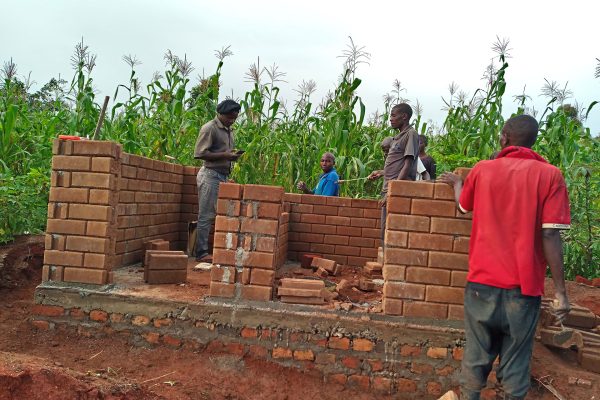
(424, 44)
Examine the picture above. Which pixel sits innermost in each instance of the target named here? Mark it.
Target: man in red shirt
(519, 205)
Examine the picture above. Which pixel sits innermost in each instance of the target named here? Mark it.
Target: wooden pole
(101, 118)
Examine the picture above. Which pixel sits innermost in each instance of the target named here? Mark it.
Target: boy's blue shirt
(328, 184)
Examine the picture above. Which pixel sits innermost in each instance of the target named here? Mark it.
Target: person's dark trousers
(498, 322)
(208, 181)
(383, 218)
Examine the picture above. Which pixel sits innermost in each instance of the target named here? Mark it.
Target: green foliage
(23, 204)
(283, 145)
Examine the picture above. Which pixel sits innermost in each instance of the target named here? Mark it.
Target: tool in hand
(351, 180)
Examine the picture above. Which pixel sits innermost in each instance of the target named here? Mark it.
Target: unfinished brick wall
(426, 251)
(249, 242)
(80, 234)
(150, 194)
(342, 229)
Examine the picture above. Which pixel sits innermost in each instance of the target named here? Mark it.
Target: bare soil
(61, 365)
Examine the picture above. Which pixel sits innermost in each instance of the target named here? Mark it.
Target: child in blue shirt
(328, 181)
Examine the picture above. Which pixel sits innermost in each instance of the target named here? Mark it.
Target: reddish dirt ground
(62, 365)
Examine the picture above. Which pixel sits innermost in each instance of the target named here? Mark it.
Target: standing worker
(519, 205)
(214, 146)
(401, 159)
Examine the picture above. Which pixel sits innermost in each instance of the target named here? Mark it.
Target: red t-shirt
(512, 198)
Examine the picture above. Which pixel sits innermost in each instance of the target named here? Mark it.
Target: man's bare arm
(553, 251)
(457, 184)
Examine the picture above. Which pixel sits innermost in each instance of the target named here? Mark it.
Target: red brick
(434, 388)
(140, 320)
(443, 191)
(456, 312)
(336, 239)
(381, 384)
(224, 257)
(87, 244)
(444, 371)
(222, 274)
(93, 180)
(451, 226)
(273, 194)
(161, 322)
(266, 244)
(166, 276)
(410, 351)
(258, 293)
(324, 229)
(376, 365)
(225, 240)
(351, 212)
(396, 238)
(401, 290)
(219, 289)
(338, 201)
(64, 258)
(71, 163)
(90, 212)
(327, 265)
(439, 208)
(410, 189)
(257, 351)
(312, 199)
(41, 325)
(171, 341)
(47, 311)
(461, 244)
(77, 313)
(458, 278)
(268, 210)
(394, 272)
(230, 191)
(227, 207)
(104, 164)
(372, 213)
(304, 355)
(60, 178)
(364, 203)
(259, 260)
(66, 227)
(421, 369)
(339, 379)
(437, 352)
(322, 248)
(406, 385)
(248, 332)
(86, 275)
(392, 306)
(425, 310)
(340, 343)
(282, 352)
(362, 345)
(403, 223)
(363, 222)
(442, 294)
(325, 358)
(449, 260)
(457, 353)
(165, 260)
(401, 256)
(428, 241)
(95, 148)
(347, 250)
(68, 195)
(262, 277)
(362, 242)
(94, 260)
(325, 210)
(151, 337)
(265, 227)
(428, 275)
(348, 231)
(359, 381)
(226, 224)
(96, 228)
(99, 315)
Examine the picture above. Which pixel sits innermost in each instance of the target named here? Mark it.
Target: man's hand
(375, 175)
(232, 156)
(383, 201)
(302, 186)
(560, 307)
(450, 179)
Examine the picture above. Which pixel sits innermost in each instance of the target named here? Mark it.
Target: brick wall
(80, 234)
(342, 229)
(426, 251)
(150, 194)
(250, 241)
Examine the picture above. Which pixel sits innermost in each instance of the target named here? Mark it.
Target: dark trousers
(498, 322)
(383, 218)
(208, 182)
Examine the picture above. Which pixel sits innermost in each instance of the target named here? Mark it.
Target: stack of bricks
(341, 229)
(80, 238)
(426, 251)
(189, 205)
(165, 266)
(301, 291)
(247, 241)
(149, 205)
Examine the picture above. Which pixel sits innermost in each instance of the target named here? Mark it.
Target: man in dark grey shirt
(401, 159)
(215, 146)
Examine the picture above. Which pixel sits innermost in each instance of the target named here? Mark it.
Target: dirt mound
(21, 260)
(25, 377)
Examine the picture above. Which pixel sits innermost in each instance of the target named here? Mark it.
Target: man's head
(423, 142)
(400, 115)
(228, 111)
(327, 162)
(521, 131)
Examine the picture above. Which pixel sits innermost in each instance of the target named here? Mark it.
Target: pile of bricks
(426, 251)
(80, 238)
(325, 267)
(164, 266)
(149, 195)
(584, 334)
(341, 229)
(250, 229)
(301, 291)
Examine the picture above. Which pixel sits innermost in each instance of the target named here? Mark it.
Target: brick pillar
(247, 243)
(81, 229)
(426, 246)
